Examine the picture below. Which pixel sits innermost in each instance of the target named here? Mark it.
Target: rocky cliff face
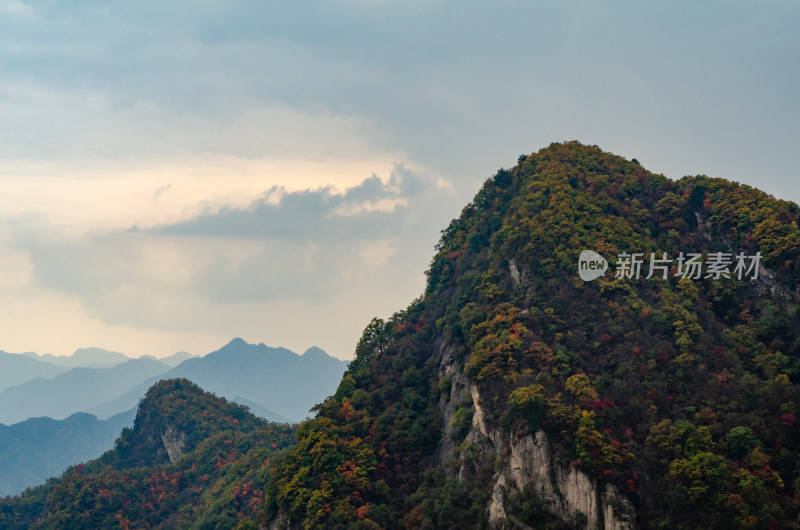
(568, 492)
(525, 461)
(174, 443)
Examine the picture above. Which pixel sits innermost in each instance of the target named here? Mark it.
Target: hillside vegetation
(221, 453)
(681, 394)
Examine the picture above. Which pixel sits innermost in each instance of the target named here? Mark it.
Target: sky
(177, 174)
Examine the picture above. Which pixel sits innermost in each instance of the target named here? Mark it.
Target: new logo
(591, 265)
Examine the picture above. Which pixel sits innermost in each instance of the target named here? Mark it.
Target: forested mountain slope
(192, 460)
(515, 393)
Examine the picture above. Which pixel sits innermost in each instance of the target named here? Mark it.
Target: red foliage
(604, 403)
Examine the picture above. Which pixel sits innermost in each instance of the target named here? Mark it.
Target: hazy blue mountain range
(173, 360)
(15, 369)
(38, 448)
(77, 390)
(284, 383)
(100, 358)
(275, 383)
(84, 357)
(288, 384)
(261, 412)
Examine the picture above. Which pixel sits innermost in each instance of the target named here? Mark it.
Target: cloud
(458, 91)
(162, 190)
(369, 210)
(264, 118)
(309, 245)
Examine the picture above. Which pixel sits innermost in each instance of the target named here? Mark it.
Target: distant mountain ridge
(260, 411)
(38, 448)
(288, 384)
(100, 358)
(84, 357)
(77, 390)
(276, 384)
(16, 369)
(172, 360)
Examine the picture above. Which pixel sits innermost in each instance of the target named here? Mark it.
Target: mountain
(84, 357)
(79, 389)
(38, 448)
(191, 460)
(172, 360)
(176, 358)
(525, 388)
(16, 369)
(277, 379)
(520, 392)
(288, 384)
(260, 411)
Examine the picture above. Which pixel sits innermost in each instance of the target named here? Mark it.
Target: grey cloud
(312, 250)
(315, 214)
(458, 89)
(304, 247)
(685, 87)
(162, 190)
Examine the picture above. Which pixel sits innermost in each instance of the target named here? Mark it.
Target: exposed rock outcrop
(281, 522)
(567, 491)
(174, 443)
(528, 461)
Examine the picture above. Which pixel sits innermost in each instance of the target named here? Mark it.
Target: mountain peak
(174, 416)
(177, 358)
(629, 383)
(315, 352)
(185, 444)
(97, 354)
(236, 343)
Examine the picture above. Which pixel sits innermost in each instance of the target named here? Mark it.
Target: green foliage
(356, 464)
(529, 403)
(698, 483)
(461, 422)
(741, 441)
(528, 508)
